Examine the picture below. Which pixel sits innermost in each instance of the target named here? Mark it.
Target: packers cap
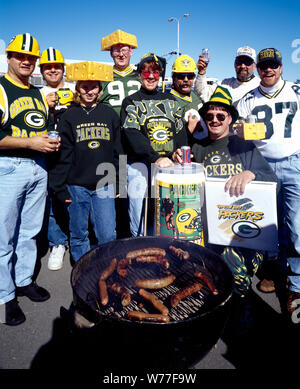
(246, 51)
(221, 96)
(149, 57)
(269, 54)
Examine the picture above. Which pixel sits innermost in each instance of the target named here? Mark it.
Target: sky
(76, 28)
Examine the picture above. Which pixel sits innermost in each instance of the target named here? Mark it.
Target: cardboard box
(118, 37)
(247, 221)
(254, 131)
(89, 70)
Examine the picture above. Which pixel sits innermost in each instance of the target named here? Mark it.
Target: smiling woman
(153, 128)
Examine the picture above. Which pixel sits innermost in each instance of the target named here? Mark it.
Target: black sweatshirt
(229, 156)
(89, 137)
(152, 125)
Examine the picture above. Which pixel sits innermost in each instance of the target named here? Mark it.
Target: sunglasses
(267, 64)
(181, 76)
(209, 117)
(155, 73)
(247, 62)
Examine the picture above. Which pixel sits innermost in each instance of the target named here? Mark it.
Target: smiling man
(276, 103)
(59, 95)
(24, 143)
(227, 156)
(245, 80)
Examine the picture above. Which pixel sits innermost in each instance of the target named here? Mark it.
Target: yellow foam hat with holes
(89, 70)
(118, 37)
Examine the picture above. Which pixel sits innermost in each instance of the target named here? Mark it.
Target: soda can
(205, 53)
(53, 134)
(251, 119)
(186, 154)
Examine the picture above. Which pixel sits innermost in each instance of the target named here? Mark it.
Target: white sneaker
(56, 257)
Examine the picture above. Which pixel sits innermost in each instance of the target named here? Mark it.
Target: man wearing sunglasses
(276, 103)
(183, 76)
(238, 86)
(228, 156)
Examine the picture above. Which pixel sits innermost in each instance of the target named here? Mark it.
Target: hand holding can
(205, 54)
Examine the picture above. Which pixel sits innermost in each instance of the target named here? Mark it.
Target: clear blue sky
(76, 28)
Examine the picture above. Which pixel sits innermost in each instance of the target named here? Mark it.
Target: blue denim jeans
(288, 172)
(23, 188)
(137, 187)
(57, 223)
(99, 205)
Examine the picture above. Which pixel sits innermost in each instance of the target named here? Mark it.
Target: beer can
(205, 53)
(186, 154)
(53, 134)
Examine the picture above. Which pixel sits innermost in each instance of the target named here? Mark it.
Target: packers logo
(35, 119)
(94, 144)
(245, 229)
(215, 159)
(159, 135)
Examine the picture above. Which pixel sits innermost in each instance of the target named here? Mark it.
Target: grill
(195, 324)
(86, 273)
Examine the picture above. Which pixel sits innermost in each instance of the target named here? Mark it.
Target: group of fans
(100, 120)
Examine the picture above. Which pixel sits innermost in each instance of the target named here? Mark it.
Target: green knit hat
(221, 96)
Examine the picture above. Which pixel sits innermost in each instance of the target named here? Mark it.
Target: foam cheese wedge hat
(89, 70)
(118, 37)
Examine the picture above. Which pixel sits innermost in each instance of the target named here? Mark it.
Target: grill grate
(85, 279)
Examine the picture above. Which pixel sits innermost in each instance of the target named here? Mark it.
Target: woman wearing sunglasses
(152, 129)
(227, 156)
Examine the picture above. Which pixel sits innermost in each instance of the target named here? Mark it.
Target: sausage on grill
(153, 317)
(155, 283)
(154, 300)
(147, 251)
(121, 291)
(181, 254)
(207, 281)
(185, 292)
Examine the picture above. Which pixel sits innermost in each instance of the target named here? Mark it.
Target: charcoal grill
(197, 321)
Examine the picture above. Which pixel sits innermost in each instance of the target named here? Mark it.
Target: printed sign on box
(247, 221)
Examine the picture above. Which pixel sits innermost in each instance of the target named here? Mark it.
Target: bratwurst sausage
(109, 270)
(121, 291)
(147, 251)
(153, 317)
(155, 301)
(185, 292)
(181, 254)
(155, 283)
(207, 281)
(153, 258)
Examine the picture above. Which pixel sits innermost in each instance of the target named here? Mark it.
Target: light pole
(178, 20)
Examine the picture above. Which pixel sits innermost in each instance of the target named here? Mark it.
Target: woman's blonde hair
(76, 96)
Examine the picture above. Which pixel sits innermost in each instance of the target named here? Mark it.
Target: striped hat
(221, 96)
(51, 55)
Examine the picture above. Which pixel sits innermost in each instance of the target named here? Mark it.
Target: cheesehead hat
(221, 96)
(118, 37)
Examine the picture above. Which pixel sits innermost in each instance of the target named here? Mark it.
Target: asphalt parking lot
(45, 339)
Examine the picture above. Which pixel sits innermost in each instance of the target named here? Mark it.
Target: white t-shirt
(236, 88)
